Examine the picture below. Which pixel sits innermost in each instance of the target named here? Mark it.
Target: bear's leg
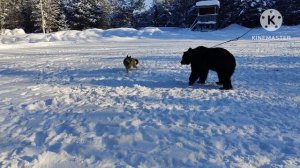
(203, 76)
(220, 79)
(227, 85)
(193, 77)
(226, 82)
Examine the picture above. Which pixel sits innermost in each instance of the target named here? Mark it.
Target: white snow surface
(121, 34)
(208, 3)
(67, 101)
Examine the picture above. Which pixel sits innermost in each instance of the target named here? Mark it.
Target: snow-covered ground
(67, 101)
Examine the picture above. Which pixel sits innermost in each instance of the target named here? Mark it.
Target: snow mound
(208, 3)
(14, 32)
(235, 27)
(53, 160)
(230, 32)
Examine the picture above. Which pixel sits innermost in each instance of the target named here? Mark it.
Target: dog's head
(127, 59)
(131, 60)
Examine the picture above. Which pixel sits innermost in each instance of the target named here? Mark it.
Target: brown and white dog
(130, 62)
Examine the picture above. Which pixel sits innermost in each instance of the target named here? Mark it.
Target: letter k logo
(271, 19)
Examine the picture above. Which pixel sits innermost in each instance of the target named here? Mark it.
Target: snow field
(70, 104)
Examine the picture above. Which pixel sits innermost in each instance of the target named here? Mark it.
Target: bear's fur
(203, 59)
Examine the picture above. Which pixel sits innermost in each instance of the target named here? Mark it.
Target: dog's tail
(136, 61)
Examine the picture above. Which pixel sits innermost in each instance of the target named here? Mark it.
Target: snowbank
(232, 31)
(208, 3)
(14, 32)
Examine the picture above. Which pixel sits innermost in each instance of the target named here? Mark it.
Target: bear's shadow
(117, 77)
(120, 78)
(111, 77)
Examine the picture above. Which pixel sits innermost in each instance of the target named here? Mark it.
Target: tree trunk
(43, 18)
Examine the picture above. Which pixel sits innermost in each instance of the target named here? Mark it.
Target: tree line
(55, 15)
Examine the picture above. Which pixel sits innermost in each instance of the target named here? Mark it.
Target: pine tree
(143, 19)
(125, 11)
(137, 7)
(290, 9)
(227, 15)
(250, 11)
(3, 13)
(101, 14)
(62, 18)
(10, 14)
(183, 14)
(162, 13)
(83, 14)
(45, 15)
(26, 11)
(72, 16)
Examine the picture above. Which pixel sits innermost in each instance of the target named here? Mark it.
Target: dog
(130, 62)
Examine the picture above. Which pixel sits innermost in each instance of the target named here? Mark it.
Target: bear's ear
(190, 49)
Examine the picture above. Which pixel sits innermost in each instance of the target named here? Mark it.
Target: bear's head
(187, 57)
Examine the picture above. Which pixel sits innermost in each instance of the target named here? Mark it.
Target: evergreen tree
(62, 18)
(183, 13)
(250, 11)
(228, 13)
(290, 9)
(143, 19)
(26, 11)
(12, 13)
(124, 12)
(102, 14)
(162, 13)
(3, 13)
(46, 15)
(83, 14)
(137, 8)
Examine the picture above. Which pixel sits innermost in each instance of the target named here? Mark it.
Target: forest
(56, 15)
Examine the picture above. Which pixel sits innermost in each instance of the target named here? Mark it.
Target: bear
(203, 59)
